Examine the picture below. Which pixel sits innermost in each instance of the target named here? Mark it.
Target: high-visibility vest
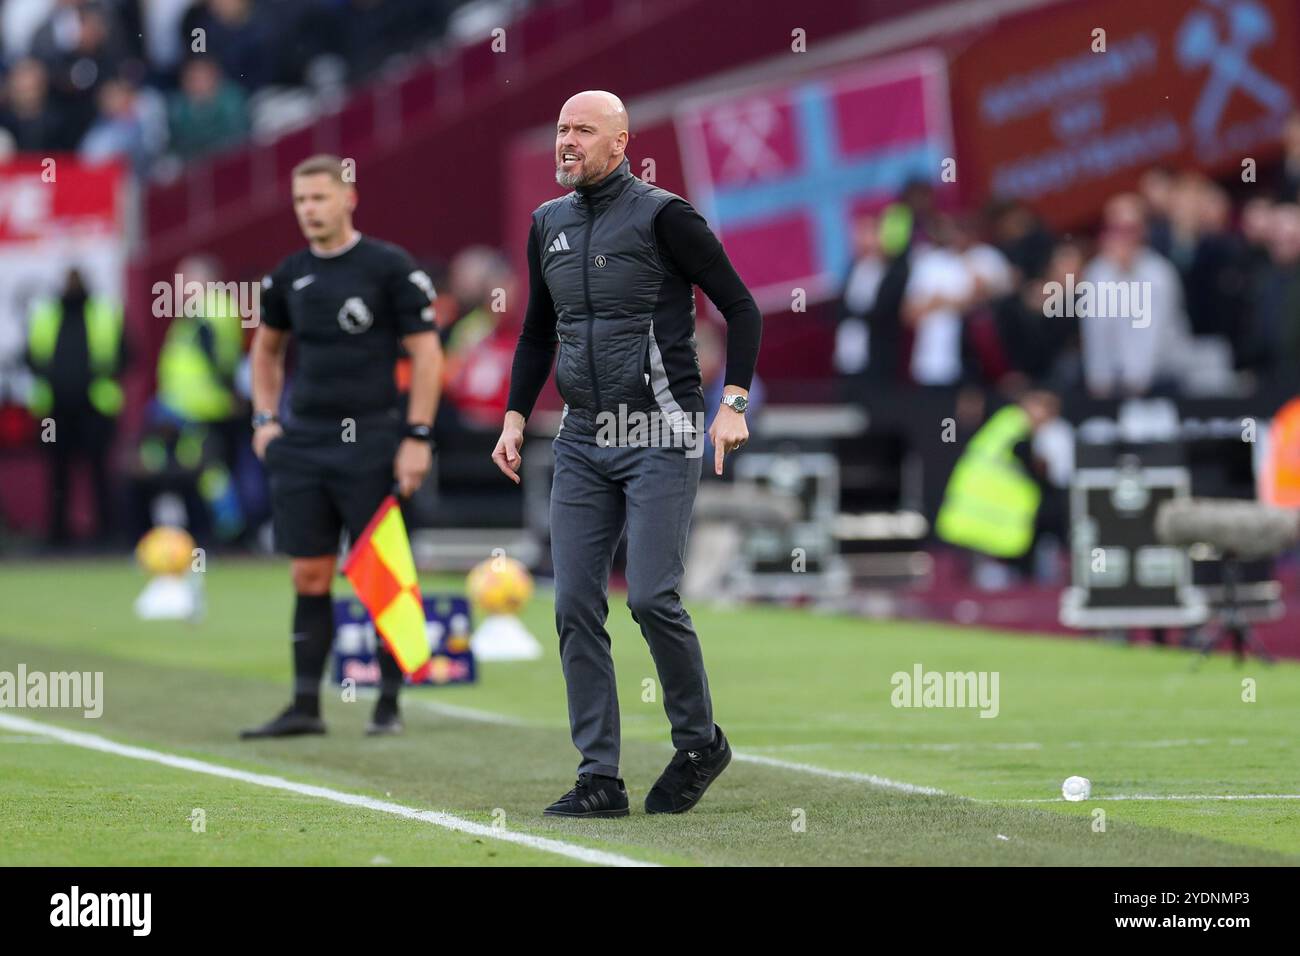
(190, 383)
(103, 342)
(991, 500)
(1279, 478)
(895, 228)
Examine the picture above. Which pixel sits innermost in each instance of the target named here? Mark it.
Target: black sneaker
(688, 775)
(386, 721)
(290, 723)
(592, 796)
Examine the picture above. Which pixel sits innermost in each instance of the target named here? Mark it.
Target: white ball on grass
(1076, 789)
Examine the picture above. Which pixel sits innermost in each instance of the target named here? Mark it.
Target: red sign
(57, 196)
(1042, 116)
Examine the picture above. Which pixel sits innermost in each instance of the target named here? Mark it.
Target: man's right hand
(263, 436)
(506, 454)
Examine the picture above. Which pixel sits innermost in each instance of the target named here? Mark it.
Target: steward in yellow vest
(76, 351)
(57, 386)
(992, 499)
(198, 362)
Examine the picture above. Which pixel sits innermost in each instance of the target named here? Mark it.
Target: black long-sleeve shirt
(686, 245)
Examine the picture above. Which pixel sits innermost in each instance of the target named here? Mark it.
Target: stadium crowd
(964, 300)
(163, 81)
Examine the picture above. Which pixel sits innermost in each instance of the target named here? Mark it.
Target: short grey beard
(581, 177)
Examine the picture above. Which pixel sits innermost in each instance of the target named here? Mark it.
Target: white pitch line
(438, 818)
(1155, 796)
(1023, 745)
(487, 716)
(458, 712)
(874, 779)
(883, 782)
(474, 715)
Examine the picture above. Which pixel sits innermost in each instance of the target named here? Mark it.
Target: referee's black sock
(313, 633)
(390, 681)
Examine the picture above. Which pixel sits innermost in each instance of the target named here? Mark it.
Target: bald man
(611, 272)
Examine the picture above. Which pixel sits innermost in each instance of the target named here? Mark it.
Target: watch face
(738, 402)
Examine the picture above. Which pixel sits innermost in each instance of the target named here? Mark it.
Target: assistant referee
(350, 303)
(612, 267)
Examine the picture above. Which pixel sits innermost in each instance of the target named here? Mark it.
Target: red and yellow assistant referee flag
(382, 571)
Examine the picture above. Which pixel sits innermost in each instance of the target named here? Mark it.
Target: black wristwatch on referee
(419, 432)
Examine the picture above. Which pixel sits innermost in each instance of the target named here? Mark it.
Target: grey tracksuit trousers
(598, 490)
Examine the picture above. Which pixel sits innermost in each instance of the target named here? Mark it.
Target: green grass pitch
(824, 766)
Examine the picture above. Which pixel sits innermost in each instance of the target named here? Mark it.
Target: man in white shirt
(939, 289)
(1127, 355)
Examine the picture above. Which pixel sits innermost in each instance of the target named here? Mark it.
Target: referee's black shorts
(321, 483)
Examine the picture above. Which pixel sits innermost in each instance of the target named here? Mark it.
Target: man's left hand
(728, 433)
(414, 459)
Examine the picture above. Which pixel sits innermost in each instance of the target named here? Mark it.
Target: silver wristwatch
(737, 403)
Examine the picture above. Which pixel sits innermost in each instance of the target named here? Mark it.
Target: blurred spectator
(1019, 233)
(1130, 355)
(1250, 350)
(164, 43)
(201, 353)
(939, 289)
(83, 48)
(990, 270)
(480, 325)
(208, 113)
(197, 428)
(478, 387)
(122, 129)
(235, 33)
(1256, 229)
(869, 332)
(1040, 348)
(907, 221)
(19, 23)
(1156, 187)
(1273, 346)
(992, 276)
(77, 352)
(479, 278)
(1288, 186)
(28, 115)
(1209, 258)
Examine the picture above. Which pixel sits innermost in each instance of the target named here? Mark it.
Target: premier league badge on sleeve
(355, 317)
